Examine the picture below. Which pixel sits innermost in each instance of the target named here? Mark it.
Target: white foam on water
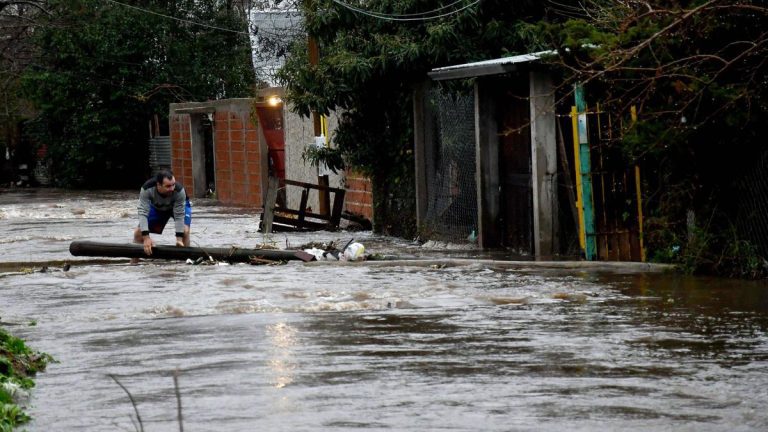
(103, 210)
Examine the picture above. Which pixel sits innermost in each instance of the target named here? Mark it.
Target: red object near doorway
(271, 119)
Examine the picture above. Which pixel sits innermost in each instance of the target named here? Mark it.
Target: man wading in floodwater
(160, 199)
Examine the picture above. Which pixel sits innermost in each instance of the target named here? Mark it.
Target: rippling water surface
(316, 347)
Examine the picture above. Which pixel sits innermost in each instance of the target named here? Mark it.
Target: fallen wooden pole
(233, 254)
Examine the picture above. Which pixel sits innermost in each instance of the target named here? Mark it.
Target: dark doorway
(516, 206)
(210, 166)
(203, 155)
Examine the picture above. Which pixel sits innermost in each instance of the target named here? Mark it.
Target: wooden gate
(612, 221)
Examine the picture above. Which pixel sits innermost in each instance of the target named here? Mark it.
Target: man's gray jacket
(149, 197)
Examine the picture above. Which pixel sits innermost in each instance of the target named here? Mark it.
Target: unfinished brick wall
(181, 151)
(238, 155)
(238, 159)
(359, 195)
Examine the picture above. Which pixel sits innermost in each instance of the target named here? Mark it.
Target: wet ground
(329, 347)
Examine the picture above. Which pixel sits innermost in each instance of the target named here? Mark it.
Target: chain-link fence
(452, 192)
(752, 219)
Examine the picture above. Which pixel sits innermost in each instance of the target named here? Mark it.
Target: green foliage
(331, 157)
(687, 66)
(105, 70)
(696, 72)
(715, 247)
(18, 363)
(11, 415)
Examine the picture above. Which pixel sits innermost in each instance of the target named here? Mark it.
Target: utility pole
(322, 180)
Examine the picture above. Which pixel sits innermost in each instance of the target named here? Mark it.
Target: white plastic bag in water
(322, 255)
(318, 253)
(354, 252)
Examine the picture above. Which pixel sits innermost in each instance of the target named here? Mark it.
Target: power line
(396, 17)
(422, 13)
(180, 19)
(260, 29)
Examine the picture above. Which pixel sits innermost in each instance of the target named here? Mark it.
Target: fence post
(269, 206)
(586, 208)
(577, 173)
(423, 151)
(638, 185)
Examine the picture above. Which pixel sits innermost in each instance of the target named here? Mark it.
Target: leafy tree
(17, 19)
(696, 70)
(106, 68)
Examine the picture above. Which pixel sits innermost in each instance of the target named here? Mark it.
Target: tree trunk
(233, 254)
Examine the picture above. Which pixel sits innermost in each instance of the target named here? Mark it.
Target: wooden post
(639, 192)
(602, 239)
(156, 129)
(338, 207)
(422, 148)
(577, 170)
(314, 59)
(566, 167)
(543, 165)
(269, 206)
(303, 205)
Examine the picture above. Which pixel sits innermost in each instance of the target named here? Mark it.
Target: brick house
(230, 148)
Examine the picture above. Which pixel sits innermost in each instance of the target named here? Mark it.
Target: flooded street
(332, 347)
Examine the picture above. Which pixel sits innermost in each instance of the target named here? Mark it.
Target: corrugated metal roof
(486, 67)
(159, 153)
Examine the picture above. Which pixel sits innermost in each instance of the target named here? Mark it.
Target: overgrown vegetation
(367, 70)
(18, 364)
(694, 69)
(18, 18)
(104, 69)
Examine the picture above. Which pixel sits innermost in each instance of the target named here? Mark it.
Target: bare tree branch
(133, 402)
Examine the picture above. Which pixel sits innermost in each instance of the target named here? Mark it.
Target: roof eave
(461, 73)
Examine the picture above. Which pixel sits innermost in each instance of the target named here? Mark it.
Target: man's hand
(148, 243)
(179, 241)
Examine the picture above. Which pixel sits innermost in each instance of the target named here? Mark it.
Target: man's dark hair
(163, 174)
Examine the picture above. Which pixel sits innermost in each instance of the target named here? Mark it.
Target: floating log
(233, 254)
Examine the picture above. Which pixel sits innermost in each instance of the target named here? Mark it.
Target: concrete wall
(299, 133)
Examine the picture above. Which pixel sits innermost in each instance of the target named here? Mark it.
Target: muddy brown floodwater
(318, 347)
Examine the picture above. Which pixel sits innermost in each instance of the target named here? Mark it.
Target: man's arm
(143, 210)
(178, 213)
